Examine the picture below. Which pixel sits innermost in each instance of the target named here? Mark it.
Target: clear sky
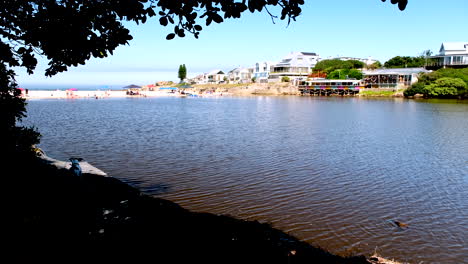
(335, 27)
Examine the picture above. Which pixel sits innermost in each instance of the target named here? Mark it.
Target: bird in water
(400, 224)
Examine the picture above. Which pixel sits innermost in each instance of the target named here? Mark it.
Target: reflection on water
(336, 172)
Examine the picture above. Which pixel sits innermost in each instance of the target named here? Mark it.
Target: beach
(96, 94)
(205, 90)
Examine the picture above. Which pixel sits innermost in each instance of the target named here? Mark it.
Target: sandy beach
(62, 94)
(197, 90)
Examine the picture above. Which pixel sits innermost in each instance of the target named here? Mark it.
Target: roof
(309, 53)
(454, 46)
(402, 71)
(214, 72)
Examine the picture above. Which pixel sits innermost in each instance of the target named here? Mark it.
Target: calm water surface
(332, 171)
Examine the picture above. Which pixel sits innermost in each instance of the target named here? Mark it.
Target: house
(261, 71)
(391, 78)
(216, 76)
(295, 65)
(451, 54)
(199, 79)
(240, 75)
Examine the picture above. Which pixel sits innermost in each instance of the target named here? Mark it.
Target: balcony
(449, 61)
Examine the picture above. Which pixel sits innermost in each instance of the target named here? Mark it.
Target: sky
(330, 28)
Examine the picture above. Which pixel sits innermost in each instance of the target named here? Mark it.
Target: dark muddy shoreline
(103, 217)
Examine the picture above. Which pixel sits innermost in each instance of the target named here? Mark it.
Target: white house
(452, 54)
(295, 65)
(262, 70)
(240, 75)
(216, 76)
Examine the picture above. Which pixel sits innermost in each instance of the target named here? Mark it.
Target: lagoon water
(335, 172)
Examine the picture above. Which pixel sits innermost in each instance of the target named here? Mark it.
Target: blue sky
(336, 27)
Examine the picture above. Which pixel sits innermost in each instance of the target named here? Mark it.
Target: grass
(380, 93)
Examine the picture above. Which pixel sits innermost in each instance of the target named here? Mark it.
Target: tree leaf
(163, 21)
(170, 36)
(181, 33)
(217, 18)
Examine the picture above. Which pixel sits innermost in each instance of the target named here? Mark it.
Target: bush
(417, 88)
(345, 73)
(355, 74)
(329, 66)
(446, 87)
(285, 79)
(16, 141)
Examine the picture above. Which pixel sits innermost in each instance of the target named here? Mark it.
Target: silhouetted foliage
(401, 3)
(15, 141)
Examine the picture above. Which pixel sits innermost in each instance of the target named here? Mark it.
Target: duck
(400, 224)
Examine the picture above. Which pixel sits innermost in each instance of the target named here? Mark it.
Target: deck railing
(450, 60)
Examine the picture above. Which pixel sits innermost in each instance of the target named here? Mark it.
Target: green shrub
(417, 88)
(285, 79)
(345, 73)
(446, 87)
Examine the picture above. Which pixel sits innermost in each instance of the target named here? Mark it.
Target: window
(457, 59)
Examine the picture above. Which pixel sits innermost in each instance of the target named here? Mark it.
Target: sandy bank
(249, 89)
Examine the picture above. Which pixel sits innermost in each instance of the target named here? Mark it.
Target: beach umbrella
(132, 86)
(72, 89)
